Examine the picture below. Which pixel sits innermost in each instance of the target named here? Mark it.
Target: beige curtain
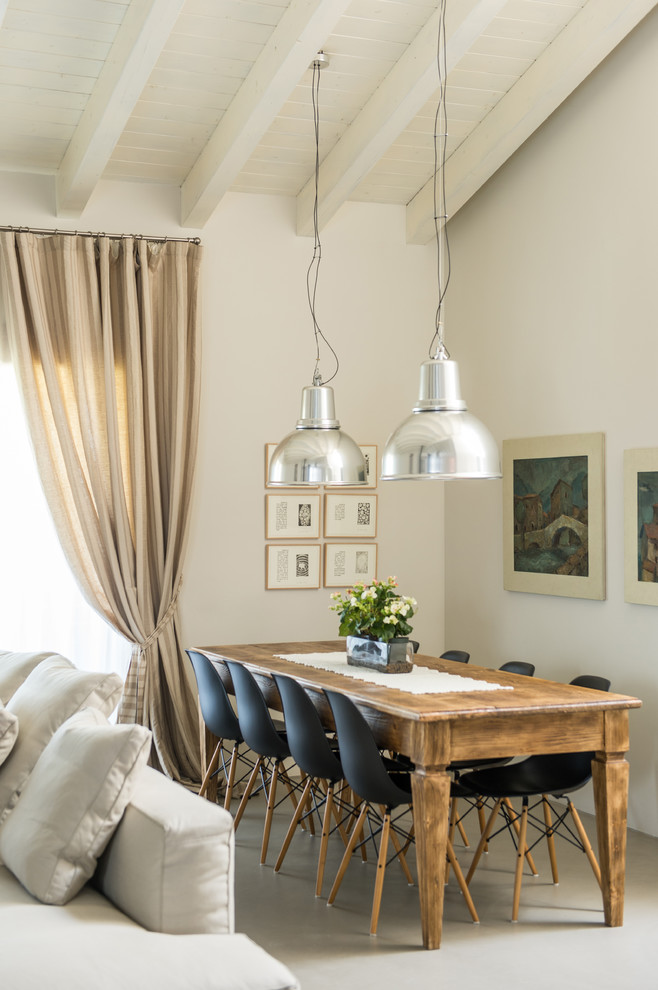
(104, 335)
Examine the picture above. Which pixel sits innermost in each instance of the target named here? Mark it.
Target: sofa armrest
(170, 864)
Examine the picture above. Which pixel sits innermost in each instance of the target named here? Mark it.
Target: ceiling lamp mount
(317, 452)
(441, 440)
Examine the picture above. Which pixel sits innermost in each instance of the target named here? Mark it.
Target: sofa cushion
(90, 944)
(53, 692)
(8, 732)
(15, 667)
(71, 804)
(170, 863)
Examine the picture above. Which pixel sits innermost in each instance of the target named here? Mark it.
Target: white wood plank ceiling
(214, 95)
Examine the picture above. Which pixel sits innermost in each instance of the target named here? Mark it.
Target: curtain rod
(91, 233)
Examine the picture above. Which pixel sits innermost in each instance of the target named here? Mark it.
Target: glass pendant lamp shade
(317, 452)
(441, 440)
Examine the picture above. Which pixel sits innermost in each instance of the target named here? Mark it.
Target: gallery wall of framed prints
(298, 521)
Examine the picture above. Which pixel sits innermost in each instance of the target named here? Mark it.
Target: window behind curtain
(41, 607)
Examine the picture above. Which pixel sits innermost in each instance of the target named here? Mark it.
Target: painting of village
(551, 515)
(647, 526)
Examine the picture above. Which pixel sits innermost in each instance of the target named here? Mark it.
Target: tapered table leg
(431, 802)
(610, 777)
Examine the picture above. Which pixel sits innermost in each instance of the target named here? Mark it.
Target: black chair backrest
(306, 737)
(460, 656)
(363, 765)
(215, 704)
(592, 681)
(256, 723)
(571, 770)
(518, 667)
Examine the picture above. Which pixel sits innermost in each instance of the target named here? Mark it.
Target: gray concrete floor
(559, 940)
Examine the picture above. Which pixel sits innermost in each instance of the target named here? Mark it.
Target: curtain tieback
(164, 621)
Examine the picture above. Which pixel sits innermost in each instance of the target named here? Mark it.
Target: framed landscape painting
(641, 526)
(553, 515)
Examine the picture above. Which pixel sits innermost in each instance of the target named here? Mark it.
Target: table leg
(610, 777)
(431, 800)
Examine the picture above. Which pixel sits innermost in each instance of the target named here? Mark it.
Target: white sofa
(158, 911)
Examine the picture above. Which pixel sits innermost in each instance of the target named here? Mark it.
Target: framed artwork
(292, 567)
(292, 517)
(350, 515)
(345, 563)
(641, 526)
(369, 452)
(553, 515)
(269, 450)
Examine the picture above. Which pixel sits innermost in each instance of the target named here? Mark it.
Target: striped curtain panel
(104, 334)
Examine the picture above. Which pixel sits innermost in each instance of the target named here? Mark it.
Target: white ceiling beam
(139, 41)
(298, 37)
(586, 40)
(392, 107)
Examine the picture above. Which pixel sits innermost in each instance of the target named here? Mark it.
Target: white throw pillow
(8, 732)
(53, 692)
(71, 804)
(15, 667)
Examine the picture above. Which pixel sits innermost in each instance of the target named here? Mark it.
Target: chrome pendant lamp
(441, 440)
(317, 452)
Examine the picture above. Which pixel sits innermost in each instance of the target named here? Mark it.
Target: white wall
(561, 338)
(375, 303)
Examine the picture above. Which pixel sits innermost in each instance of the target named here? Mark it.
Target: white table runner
(420, 680)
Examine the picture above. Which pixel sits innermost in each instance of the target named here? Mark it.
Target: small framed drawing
(641, 526)
(269, 450)
(292, 517)
(345, 563)
(292, 566)
(350, 515)
(553, 516)
(369, 452)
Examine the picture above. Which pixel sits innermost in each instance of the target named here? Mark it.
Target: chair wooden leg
(482, 819)
(515, 822)
(589, 852)
(520, 856)
(283, 773)
(349, 849)
(329, 810)
(231, 777)
(550, 838)
(381, 869)
(483, 840)
(452, 859)
(299, 811)
(271, 800)
(212, 766)
(245, 797)
(400, 852)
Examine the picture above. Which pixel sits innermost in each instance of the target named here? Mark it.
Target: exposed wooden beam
(298, 37)
(408, 86)
(586, 40)
(143, 32)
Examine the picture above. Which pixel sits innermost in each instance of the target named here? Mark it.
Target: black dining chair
(383, 787)
(317, 757)
(218, 714)
(537, 777)
(267, 738)
(525, 669)
(459, 656)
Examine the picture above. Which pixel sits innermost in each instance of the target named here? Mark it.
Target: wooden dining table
(536, 716)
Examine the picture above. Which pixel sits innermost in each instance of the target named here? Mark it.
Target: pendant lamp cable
(440, 206)
(314, 267)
